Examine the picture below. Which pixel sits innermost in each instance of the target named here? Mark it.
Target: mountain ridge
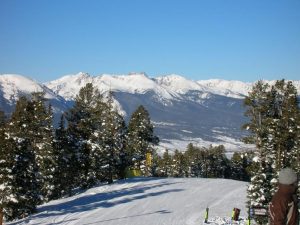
(172, 83)
(183, 111)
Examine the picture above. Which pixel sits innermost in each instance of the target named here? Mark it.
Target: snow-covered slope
(147, 201)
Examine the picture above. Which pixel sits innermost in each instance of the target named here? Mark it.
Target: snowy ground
(147, 201)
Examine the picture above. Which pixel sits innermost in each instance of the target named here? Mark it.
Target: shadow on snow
(107, 199)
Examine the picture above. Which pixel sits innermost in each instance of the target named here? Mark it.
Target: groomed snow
(147, 201)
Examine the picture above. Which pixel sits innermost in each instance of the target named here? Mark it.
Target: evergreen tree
(110, 143)
(140, 138)
(97, 132)
(257, 111)
(41, 138)
(25, 188)
(218, 162)
(65, 162)
(6, 160)
(82, 125)
(180, 165)
(197, 161)
(166, 164)
(274, 128)
(285, 123)
(284, 127)
(155, 167)
(240, 166)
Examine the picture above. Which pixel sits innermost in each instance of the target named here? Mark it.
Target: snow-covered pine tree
(289, 123)
(118, 135)
(97, 132)
(141, 138)
(25, 189)
(258, 193)
(167, 164)
(218, 162)
(84, 122)
(65, 160)
(197, 161)
(257, 110)
(41, 137)
(274, 127)
(240, 163)
(180, 165)
(109, 142)
(6, 160)
(284, 127)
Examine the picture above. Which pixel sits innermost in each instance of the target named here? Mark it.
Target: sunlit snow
(147, 201)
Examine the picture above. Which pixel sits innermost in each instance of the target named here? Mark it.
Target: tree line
(210, 162)
(91, 144)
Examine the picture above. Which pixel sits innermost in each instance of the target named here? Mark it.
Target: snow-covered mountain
(182, 110)
(148, 201)
(13, 86)
(202, 112)
(168, 87)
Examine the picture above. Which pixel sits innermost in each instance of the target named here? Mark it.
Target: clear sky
(242, 40)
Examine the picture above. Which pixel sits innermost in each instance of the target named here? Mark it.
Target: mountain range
(182, 111)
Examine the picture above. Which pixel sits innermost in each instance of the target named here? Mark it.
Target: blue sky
(242, 40)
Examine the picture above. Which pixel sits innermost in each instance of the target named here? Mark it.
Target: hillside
(147, 201)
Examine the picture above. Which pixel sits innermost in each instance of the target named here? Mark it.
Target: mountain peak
(143, 74)
(178, 83)
(14, 85)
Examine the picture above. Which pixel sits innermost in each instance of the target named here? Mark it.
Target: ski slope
(155, 201)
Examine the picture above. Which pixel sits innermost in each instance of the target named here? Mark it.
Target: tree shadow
(106, 199)
(132, 216)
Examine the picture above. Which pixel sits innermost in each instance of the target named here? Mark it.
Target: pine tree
(41, 138)
(287, 118)
(284, 127)
(257, 111)
(65, 162)
(274, 129)
(197, 160)
(6, 160)
(180, 165)
(167, 167)
(97, 133)
(25, 189)
(218, 164)
(109, 142)
(82, 125)
(240, 165)
(141, 138)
